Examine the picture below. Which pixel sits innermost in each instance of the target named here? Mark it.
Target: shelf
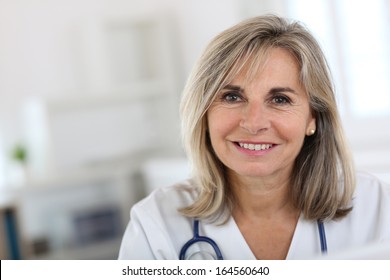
(124, 94)
(107, 250)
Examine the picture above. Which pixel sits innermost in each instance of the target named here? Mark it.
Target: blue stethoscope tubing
(321, 232)
(198, 238)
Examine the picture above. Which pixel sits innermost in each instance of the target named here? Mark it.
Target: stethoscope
(200, 238)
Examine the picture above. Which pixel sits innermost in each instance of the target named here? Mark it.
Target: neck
(260, 197)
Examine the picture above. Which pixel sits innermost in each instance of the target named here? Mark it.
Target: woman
(273, 178)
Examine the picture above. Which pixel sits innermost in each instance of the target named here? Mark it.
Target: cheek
(217, 130)
(297, 135)
(220, 122)
(293, 128)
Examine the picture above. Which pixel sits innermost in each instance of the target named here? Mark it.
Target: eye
(231, 97)
(281, 100)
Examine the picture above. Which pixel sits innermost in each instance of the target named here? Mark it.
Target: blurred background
(89, 94)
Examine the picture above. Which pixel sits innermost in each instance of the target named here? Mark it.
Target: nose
(255, 118)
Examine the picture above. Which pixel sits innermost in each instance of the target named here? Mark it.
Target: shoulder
(152, 232)
(167, 200)
(371, 207)
(370, 188)
(369, 220)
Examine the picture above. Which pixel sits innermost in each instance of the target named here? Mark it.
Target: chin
(253, 172)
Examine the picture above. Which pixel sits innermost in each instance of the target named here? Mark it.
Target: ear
(311, 127)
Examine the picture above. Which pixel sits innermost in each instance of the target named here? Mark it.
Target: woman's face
(257, 126)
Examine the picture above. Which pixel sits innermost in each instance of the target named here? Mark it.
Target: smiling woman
(276, 71)
(258, 130)
(271, 170)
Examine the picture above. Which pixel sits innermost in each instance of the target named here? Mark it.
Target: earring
(312, 131)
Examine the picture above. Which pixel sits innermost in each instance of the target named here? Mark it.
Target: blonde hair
(322, 181)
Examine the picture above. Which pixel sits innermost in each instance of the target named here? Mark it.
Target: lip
(262, 148)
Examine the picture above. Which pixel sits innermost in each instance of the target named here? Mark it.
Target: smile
(255, 147)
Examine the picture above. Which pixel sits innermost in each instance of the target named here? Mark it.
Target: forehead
(275, 62)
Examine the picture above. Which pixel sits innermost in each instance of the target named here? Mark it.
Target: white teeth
(255, 147)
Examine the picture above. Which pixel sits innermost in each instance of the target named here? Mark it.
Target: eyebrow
(272, 91)
(233, 87)
(282, 89)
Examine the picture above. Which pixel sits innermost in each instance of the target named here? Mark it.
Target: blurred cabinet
(10, 239)
(77, 216)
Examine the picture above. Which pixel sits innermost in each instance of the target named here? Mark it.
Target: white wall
(41, 54)
(49, 48)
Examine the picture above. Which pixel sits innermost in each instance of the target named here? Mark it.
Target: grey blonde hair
(322, 181)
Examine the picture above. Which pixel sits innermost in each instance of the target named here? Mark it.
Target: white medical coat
(157, 231)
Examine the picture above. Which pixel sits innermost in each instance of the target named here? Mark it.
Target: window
(355, 35)
(364, 26)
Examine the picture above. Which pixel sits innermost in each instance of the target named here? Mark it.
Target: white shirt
(157, 231)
